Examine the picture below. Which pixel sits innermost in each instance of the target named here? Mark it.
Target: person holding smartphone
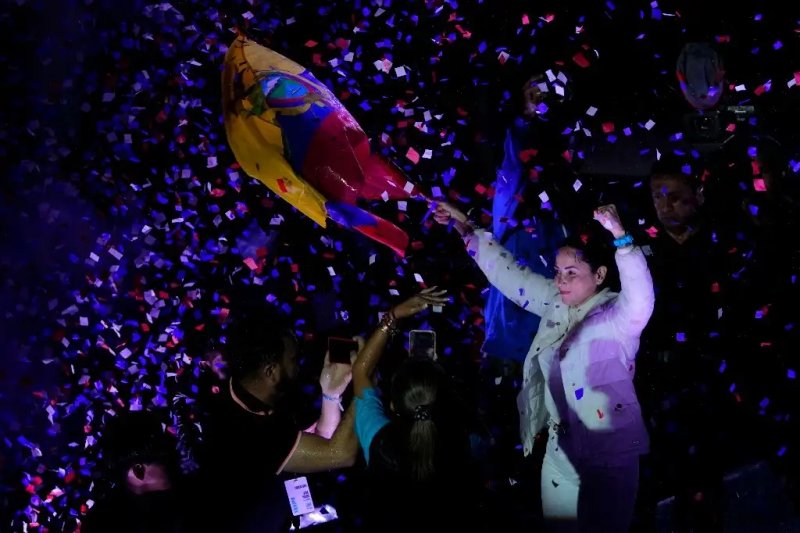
(417, 450)
(250, 434)
(578, 374)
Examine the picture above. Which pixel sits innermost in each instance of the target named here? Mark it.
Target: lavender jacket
(578, 373)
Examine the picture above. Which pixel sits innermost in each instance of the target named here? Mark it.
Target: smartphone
(340, 348)
(422, 343)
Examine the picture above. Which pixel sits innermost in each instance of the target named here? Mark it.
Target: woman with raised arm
(578, 374)
(417, 450)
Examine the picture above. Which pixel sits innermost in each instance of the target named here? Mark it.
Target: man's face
(287, 369)
(675, 202)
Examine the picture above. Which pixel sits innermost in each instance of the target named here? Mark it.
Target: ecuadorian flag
(291, 133)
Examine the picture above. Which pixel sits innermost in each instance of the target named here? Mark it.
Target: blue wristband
(335, 399)
(625, 240)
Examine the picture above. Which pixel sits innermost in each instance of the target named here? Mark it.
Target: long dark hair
(427, 435)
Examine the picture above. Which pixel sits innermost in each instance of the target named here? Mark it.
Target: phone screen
(340, 348)
(422, 343)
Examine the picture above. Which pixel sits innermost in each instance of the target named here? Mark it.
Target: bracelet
(625, 240)
(336, 399)
(388, 323)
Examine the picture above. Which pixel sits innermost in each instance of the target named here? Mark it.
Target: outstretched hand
(444, 213)
(335, 377)
(608, 217)
(420, 302)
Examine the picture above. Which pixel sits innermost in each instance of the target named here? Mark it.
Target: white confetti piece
(400, 71)
(592, 111)
(577, 185)
(543, 197)
(649, 125)
(408, 187)
(402, 205)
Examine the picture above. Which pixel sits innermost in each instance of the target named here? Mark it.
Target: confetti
(146, 245)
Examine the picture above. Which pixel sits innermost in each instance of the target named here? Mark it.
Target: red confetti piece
(608, 127)
(282, 185)
(525, 155)
(580, 60)
(600, 414)
(412, 156)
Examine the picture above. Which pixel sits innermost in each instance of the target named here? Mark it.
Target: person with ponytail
(417, 451)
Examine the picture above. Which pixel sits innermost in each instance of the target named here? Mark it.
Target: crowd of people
(168, 317)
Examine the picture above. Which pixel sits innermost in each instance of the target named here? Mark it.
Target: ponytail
(423, 438)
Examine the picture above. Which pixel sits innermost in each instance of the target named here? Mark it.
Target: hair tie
(422, 413)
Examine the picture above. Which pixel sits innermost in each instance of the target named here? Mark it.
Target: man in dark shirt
(251, 436)
(699, 275)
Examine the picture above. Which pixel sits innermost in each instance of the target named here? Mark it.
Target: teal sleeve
(370, 418)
